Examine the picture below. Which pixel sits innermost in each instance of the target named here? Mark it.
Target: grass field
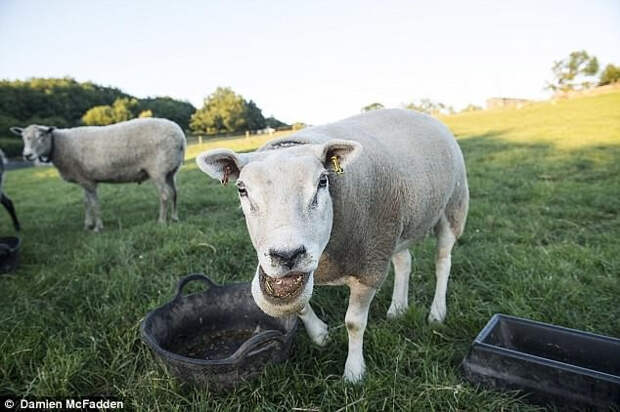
(542, 241)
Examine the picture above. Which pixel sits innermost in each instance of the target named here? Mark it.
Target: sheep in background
(125, 152)
(4, 199)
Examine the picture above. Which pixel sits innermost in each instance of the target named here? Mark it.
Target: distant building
(266, 130)
(499, 102)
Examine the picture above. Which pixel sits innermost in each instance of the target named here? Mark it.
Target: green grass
(542, 242)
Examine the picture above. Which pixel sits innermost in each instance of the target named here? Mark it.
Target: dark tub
(550, 363)
(216, 338)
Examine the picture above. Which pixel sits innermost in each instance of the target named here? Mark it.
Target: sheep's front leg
(89, 222)
(316, 328)
(355, 321)
(93, 211)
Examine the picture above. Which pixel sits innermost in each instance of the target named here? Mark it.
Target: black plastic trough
(551, 364)
(216, 338)
(9, 253)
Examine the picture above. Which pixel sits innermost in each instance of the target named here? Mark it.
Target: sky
(314, 61)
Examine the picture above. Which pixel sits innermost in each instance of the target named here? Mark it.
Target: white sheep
(126, 152)
(333, 204)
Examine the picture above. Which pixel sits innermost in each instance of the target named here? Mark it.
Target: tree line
(223, 111)
(126, 108)
(65, 102)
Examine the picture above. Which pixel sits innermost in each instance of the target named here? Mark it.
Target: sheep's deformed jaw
(282, 296)
(282, 289)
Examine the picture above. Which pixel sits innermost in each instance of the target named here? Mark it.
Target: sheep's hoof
(354, 374)
(318, 332)
(396, 311)
(321, 338)
(437, 315)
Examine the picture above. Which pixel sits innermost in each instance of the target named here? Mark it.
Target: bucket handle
(189, 278)
(255, 343)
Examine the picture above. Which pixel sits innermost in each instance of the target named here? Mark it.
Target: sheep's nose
(288, 257)
(27, 156)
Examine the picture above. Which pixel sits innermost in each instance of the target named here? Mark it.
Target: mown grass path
(542, 241)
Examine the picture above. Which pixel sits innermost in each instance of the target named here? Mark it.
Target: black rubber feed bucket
(9, 253)
(217, 338)
(567, 367)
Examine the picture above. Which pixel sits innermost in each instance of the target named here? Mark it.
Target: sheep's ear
(222, 164)
(17, 130)
(46, 129)
(337, 153)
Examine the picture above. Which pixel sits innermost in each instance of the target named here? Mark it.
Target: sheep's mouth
(285, 288)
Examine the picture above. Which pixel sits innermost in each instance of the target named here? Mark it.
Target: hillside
(565, 123)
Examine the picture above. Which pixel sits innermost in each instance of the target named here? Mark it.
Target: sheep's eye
(242, 190)
(323, 181)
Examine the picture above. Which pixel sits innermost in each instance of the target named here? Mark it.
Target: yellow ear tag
(336, 164)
